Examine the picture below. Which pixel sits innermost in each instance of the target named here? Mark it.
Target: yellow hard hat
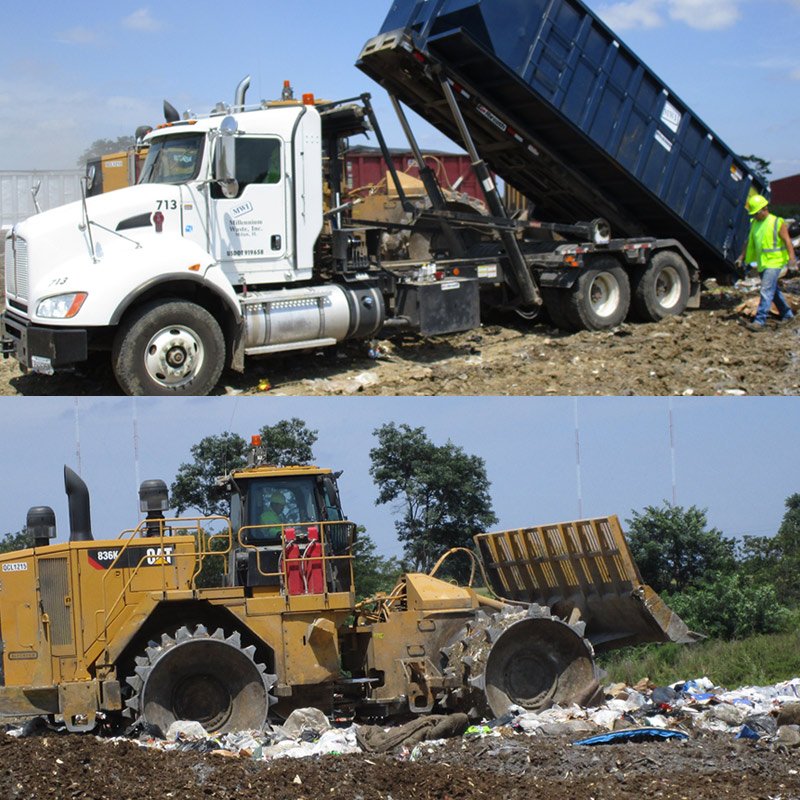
(756, 203)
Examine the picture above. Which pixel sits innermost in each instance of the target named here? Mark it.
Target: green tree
(775, 559)
(730, 607)
(15, 541)
(289, 442)
(102, 147)
(372, 572)
(195, 486)
(442, 493)
(674, 550)
(759, 166)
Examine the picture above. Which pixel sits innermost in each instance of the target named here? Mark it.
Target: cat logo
(157, 556)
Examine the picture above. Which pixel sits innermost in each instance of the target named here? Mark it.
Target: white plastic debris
(185, 730)
(305, 719)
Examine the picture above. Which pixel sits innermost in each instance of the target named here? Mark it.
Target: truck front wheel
(169, 347)
(662, 288)
(600, 297)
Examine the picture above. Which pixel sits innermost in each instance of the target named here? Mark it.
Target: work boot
(756, 327)
(788, 321)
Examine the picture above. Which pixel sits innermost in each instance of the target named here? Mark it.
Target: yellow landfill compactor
(231, 620)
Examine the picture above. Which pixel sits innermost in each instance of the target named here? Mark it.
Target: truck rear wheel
(169, 347)
(208, 678)
(554, 303)
(662, 288)
(600, 297)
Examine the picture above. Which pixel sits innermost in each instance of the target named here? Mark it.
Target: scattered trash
(306, 720)
(264, 385)
(748, 733)
(633, 735)
(377, 739)
(644, 712)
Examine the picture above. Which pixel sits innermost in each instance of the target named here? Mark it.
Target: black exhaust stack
(80, 520)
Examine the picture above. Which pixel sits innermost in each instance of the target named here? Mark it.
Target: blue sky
(734, 456)
(74, 72)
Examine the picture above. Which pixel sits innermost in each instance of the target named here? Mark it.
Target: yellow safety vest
(764, 244)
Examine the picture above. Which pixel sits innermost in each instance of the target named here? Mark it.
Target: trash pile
(753, 712)
(629, 714)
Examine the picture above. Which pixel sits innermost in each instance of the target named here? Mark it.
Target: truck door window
(258, 161)
(173, 159)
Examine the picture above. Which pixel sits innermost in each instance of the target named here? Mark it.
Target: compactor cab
(289, 529)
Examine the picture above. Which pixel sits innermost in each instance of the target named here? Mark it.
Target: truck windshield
(173, 159)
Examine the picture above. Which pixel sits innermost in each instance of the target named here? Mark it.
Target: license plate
(42, 365)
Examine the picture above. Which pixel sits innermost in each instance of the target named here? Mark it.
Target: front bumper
(39, 348)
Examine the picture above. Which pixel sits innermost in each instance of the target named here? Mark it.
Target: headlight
(62, 306)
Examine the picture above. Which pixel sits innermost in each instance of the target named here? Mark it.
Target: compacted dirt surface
(706, 351)
(514, 766)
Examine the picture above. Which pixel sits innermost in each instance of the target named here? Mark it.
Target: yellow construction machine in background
(230, 620)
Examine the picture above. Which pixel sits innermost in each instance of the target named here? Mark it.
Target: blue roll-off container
(563, 111)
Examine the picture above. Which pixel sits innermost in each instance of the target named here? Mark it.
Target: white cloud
(77, 35)
(142, 20)
(705, 14)
(62, 118)
(699, 14)
(633, 14)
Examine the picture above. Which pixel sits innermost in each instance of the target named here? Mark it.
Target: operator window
(275, 504)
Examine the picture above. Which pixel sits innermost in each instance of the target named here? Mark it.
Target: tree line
(440, 497)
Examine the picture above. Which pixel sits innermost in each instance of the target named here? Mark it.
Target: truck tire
(600, 298)
(207, 678)
(662, 288)
(554, 303)
(169, 347)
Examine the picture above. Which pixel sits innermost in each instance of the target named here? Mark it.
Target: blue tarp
(633, 735)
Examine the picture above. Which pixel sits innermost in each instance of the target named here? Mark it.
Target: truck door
(249, 232)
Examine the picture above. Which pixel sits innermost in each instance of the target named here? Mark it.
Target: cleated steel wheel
(526, 658)
(208, 678)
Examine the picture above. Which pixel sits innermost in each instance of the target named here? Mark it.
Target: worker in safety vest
(273, 513)
(770, 247)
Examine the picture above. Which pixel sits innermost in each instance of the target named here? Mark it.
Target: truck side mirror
(225, 158)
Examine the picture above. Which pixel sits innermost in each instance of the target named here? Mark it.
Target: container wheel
(169, 347)
(526, 658)
(662, 288)
(208, 678)
(600, 297)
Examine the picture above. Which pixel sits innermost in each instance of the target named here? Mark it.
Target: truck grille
(16, 264)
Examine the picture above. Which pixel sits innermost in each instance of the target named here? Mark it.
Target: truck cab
(209, 257)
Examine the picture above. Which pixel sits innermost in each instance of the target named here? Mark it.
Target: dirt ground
(707, 351)
(516, 766)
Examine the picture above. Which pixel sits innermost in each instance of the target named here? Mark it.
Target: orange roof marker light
(255, 440)
(308, 99)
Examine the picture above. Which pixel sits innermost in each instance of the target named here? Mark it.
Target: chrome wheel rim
(173, 356)
(604, 295)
